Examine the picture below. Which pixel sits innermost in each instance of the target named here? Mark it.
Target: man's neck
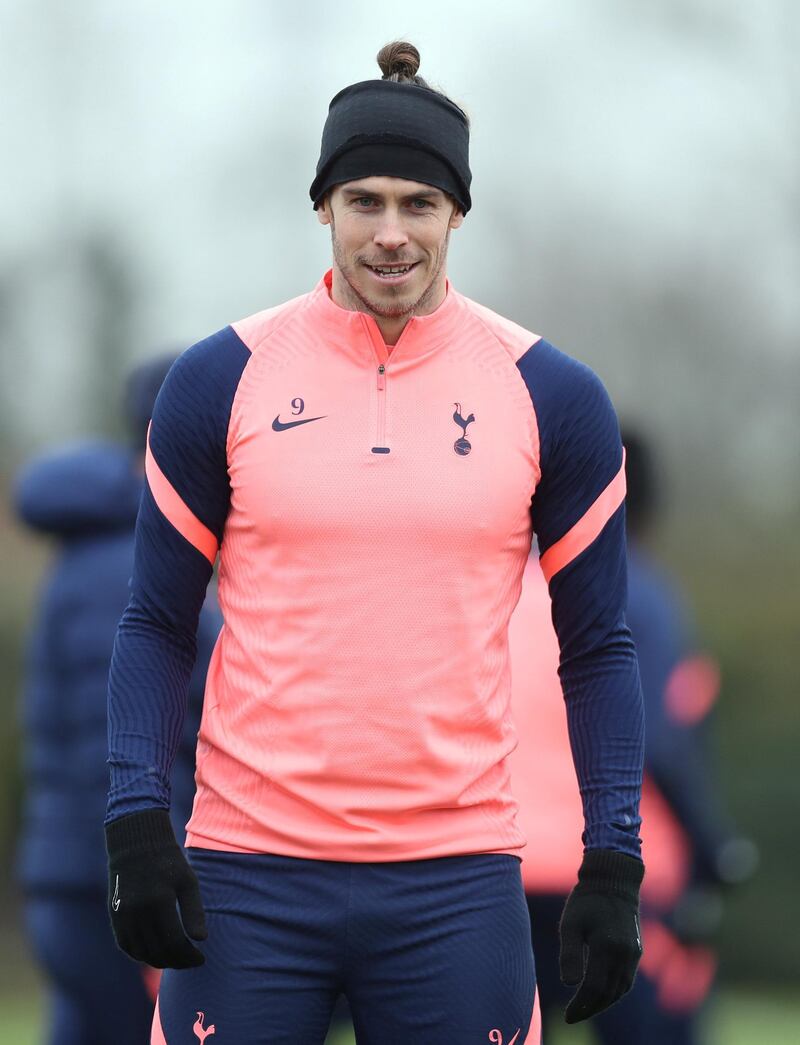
(391, 327)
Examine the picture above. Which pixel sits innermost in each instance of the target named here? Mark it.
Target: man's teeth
(387, 270)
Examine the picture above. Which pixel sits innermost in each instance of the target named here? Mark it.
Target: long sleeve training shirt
(373, 511)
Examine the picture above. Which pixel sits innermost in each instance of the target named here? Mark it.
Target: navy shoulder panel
(189, 432)
(580, 451)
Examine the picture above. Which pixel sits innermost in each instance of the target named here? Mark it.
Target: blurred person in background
(688, 840)
(370, 460)
(86, 498)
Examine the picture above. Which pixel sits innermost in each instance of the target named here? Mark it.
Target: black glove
(149, 877)
(600, 940)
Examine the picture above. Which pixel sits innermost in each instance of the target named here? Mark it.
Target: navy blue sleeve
(580, 530)
(182, 779)
(156, 646)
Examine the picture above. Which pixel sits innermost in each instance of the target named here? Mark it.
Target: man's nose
(390, 234)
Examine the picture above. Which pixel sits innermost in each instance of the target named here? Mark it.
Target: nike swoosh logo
(281, 426)
(116, 900)
(515, 1037)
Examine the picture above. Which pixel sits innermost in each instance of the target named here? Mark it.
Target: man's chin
(391, 306)
(393, 311)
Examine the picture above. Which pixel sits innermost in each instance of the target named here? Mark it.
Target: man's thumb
(192, 914)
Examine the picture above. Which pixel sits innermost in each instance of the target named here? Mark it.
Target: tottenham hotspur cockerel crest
(462, 446)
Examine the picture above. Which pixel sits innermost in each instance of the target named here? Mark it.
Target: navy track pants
(425, 951)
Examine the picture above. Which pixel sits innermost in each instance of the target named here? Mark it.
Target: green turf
(740, 1018)
(745, 1018)
(20, 1021)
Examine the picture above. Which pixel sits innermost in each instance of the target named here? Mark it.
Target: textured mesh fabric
(378, 520)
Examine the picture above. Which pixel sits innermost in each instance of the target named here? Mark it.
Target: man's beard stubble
(381, 309)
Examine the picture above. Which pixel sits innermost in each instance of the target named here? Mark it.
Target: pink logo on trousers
(199, 1029)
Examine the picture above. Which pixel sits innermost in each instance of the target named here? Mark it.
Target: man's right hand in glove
(149, 880)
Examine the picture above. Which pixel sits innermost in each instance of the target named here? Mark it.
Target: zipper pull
(381, 378)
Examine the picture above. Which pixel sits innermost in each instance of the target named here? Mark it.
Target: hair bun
(399, 61)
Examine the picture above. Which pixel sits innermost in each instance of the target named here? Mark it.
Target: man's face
(390, 241)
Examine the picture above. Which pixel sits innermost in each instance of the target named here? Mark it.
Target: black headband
(379, 127)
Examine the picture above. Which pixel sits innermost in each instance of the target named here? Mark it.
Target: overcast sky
(657, 140)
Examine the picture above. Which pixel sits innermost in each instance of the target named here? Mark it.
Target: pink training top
(542, 776)
(373, 515)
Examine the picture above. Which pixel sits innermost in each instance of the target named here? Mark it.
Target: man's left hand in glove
(600, 939)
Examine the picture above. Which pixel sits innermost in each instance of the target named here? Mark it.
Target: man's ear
(456, 218)
(324, 211)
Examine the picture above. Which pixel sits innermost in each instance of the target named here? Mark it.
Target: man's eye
(420, 204)
(364, 201)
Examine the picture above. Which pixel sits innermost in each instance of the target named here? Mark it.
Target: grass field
(740, 1018)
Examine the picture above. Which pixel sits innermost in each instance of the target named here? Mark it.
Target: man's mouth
(392, 273)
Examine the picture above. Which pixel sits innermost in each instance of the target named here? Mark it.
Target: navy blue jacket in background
(677, 756)
(87, 498)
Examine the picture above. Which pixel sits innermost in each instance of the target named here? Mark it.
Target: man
(690, 837)
(364, 460)
(86, 497)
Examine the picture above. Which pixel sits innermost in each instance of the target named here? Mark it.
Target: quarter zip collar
(421, 336)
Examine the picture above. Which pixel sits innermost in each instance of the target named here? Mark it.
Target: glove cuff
(605, 870)
(148, 831)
